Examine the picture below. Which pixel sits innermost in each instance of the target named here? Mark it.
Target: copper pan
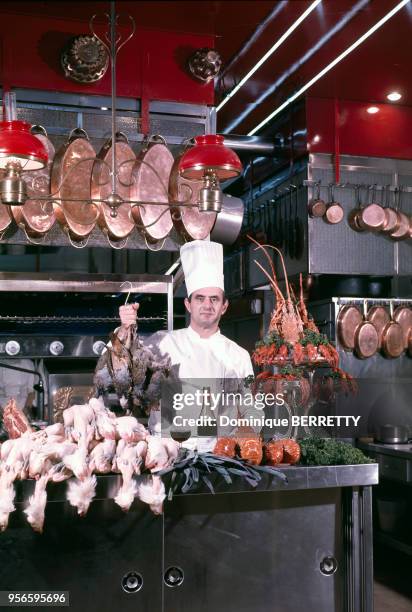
(117, 228)
(349, 317)
(392, 338)
(317, 206)
(379, 317)
(403, 316)
(37, 217)
(372, 216)
(403, 230)
(354, 215)
(392, 222)
(70, 182)
(334, 213)
(5, 212)
(150, 184)
(366, 337)
(189, 221)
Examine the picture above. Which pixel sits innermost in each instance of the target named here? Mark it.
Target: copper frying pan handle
(77, 245)
(151, 248)
(157, 138)
(115, 246)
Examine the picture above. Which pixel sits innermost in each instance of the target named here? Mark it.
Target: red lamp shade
(210, 154)
(18, 145)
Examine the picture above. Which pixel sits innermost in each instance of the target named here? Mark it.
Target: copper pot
(117, 224)
(37, 217)
(392, 222)
(402, 231)
(403, 316)
(317, 206)
(189, 221)
(151, 174)
(392, 337)
(334, 212)
(379, 317)
(349, 318)
(5, 212)
(366, 337)
(372, 216)
(354, 215)
(70, 182)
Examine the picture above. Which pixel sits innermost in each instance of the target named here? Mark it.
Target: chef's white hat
(202, 263)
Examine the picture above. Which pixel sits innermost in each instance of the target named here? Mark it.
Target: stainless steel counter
(285, 547)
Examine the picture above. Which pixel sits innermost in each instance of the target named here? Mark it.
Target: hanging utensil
(299, 229)
(119, 226)
(392, 220)
(353, 217)
(334, 212)
(5, 212)
(372, 216)
(151, 178)
(317, 206)
(291, 224)
(403, 230)
(348, 319)
(392, 337)
(366, 337)
(70, 183)
(403, 316)
(37, 217)
(379, 317)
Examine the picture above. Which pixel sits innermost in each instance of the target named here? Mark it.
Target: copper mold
(70, 182)
(85, 59)
(37, 217)
(117, 227)
(188, 221)
(150, 184)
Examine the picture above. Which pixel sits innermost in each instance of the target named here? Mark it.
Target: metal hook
(130, 289)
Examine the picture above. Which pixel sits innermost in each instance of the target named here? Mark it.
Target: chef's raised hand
(128, 314)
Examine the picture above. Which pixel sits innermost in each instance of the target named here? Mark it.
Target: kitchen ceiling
(379, 65)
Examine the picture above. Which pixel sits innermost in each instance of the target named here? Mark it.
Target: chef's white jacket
(215, 358)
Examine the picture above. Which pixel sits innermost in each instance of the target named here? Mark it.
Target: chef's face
(206, 306)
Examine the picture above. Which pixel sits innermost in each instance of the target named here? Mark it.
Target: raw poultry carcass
(105, 419)
(151, 490)
(130, 430)
(101, 457)
(14, 420)
(131, 369)
(161, 452)
(81, 492)
(129, 459)
(13, 467)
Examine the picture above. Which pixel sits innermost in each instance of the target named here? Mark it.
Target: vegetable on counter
(320, 451)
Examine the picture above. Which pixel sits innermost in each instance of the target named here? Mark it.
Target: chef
(200, 351)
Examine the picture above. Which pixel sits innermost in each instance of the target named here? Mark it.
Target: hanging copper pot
(402, 231)
(117, 224)
(372, 216)
(366, 337)
(349, 318)
(189, 221)
(150, 183)
(70, 184)
(37, 217)
(5, 212)
(403, 316)
(391, 223)
(392, 337)
(354, 215)
(317, 206)
(379, 317)
(334, 212)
